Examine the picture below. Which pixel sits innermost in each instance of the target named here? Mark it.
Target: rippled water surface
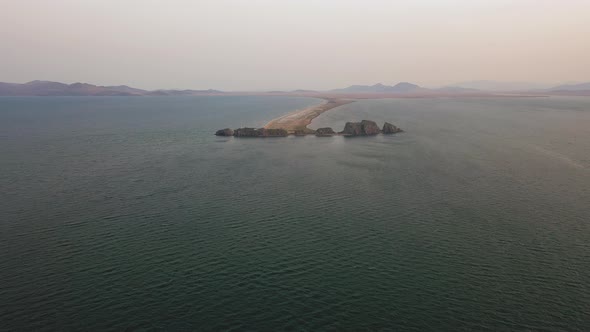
(127, 213)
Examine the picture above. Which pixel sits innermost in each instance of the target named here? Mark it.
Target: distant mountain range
(402, 87)
(47, 88)
(572, 87)
(405, 88)
(469, 88)
(501, 86)
(498, 86)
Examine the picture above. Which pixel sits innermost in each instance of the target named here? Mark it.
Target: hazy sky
(289, 44)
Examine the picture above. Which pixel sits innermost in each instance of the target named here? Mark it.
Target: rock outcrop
(325, 132)
(246, 132)
(363, 128)
(224, 132)
(389, 128)
(352, 129)
(273, 132)
(370, 128)
(252, 132)
(300, 132)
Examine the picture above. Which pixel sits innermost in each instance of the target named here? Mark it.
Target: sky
(293, 44)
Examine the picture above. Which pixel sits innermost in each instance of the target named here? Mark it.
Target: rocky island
(351, 129)
(296, 124)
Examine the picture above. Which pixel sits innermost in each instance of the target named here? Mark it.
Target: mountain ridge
(401, 87)
(572, 87)
(50, 88)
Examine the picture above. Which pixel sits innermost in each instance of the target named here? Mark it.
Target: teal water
(127, 213)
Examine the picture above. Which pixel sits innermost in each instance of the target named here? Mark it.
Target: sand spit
(297, 122)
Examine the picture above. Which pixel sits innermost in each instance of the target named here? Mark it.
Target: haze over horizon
(260, 45)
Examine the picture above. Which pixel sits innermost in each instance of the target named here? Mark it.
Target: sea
(128, 214)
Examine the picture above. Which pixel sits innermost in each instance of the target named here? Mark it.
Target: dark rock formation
(224, 132)
(246, 132)
(325, 132)
(273, 132)
(352, 129)
(363, 128)
(370, 127)
(299, 132)
(389, 128)
(262, 132)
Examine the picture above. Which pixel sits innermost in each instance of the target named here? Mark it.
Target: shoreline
(298, 121)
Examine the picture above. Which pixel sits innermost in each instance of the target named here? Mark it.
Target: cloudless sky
(289, 44)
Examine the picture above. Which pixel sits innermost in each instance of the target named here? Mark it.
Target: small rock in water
(325, 132)
(389, 128)
(224, 132)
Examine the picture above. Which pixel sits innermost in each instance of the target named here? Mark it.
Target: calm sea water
(127, 213)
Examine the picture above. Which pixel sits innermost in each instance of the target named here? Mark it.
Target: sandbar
(299, 120)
